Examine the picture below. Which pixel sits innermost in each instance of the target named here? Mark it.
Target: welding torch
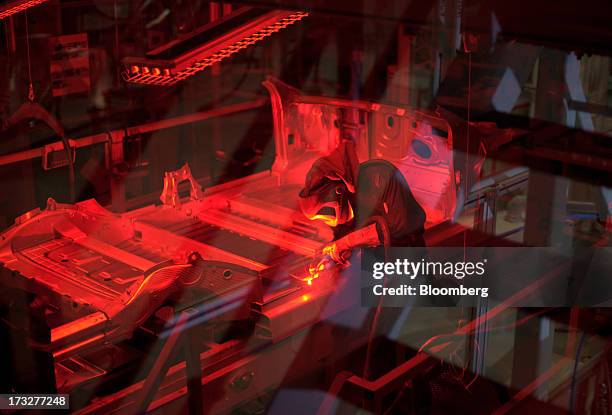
(339, 252)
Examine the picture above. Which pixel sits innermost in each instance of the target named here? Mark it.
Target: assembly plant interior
(172, 173)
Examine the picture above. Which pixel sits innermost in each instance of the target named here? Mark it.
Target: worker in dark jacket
(368, 204)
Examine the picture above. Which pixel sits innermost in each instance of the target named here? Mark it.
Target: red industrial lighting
(206, 46)
(13, 7)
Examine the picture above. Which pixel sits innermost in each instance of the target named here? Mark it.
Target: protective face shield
(329, 203)
(329, 186)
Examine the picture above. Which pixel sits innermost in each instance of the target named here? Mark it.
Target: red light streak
(17, 6)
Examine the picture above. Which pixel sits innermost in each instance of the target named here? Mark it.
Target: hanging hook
(31, 95)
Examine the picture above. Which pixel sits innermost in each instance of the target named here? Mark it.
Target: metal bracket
(54, 155)
(170, 194)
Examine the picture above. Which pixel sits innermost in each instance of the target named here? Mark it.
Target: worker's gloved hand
(339, 251)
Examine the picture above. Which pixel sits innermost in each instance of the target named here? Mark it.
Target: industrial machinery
(238, 253)
(154, 257)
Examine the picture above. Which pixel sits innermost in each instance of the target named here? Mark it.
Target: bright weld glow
(310, 278)
(331, 220)
(328, 220)
(314, 272)
(16, 7)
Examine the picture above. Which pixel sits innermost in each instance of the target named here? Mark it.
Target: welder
(367, 204)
